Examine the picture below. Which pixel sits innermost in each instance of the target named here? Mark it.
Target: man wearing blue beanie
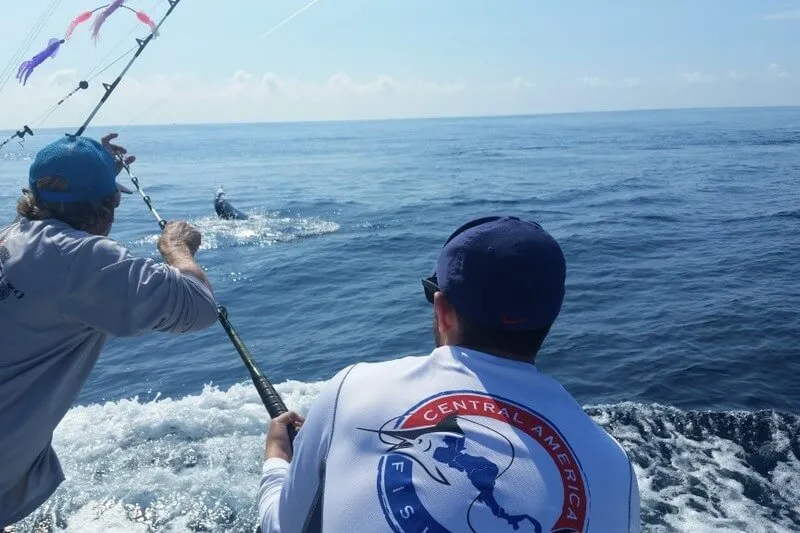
(472, 437)
(65, 287)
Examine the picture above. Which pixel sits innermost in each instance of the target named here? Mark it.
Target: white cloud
(695, 77)
(339, 84)
(777, 71)
(516, 85)
(521, 83)
(784, 15)
(244, 96)
(241, 77)
(247, 96)
(598, 82)
(594, 81)
(62, 78)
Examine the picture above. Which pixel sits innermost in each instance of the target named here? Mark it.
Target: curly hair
(83, 216)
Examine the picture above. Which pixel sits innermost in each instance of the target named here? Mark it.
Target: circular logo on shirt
(470, 461)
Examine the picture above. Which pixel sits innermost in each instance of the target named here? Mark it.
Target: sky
(368, 59)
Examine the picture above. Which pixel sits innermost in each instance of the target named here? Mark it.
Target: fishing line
(266, 391)
(33, 33)
(142, 44)
(82, 85)
(116, 46)
(269, 396)
(290, 17)
(20, 133)
(149, 110)
(272, 29)
(117, 60)
(26, 130)
(91, 75)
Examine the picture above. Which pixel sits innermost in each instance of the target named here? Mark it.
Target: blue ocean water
(679, 331)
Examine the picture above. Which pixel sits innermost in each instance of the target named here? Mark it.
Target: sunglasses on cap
(431, 284)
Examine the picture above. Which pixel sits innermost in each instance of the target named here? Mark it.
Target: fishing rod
(266, 391)
(26, 130)
(20, 133)
(269, 396)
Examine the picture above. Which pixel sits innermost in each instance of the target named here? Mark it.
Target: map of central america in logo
(473, 462)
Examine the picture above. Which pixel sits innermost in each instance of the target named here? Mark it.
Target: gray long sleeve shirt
(62, 293)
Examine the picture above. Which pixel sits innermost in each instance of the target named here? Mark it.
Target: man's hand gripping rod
(269, 396)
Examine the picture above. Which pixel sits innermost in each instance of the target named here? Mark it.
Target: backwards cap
(83, 163)
(503, 273)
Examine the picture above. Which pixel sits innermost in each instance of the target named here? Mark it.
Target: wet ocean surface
(680, 330)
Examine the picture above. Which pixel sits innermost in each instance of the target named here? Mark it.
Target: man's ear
(446, 318)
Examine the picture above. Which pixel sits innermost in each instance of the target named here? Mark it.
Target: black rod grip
(269, 396)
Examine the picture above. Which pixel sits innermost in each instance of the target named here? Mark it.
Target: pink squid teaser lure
(83, 17)
(27, 67)
(103, 16)
(107, 11)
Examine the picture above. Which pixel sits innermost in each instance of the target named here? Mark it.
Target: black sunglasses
(431, 287)
(431, 284)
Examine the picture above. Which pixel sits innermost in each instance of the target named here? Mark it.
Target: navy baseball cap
(87, 167)
(501, 272)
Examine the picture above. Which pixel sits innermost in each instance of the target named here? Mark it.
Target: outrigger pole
(142, 45)
(269, 396)
(20, 133)
(26, 130)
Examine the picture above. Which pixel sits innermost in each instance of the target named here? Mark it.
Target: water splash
(258, 230)
(193, 464)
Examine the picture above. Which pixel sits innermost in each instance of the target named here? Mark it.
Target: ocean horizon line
(620, 111)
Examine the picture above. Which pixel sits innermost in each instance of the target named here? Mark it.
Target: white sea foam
(193, 464)
(259, 230)
(167, 465)
(696, 470)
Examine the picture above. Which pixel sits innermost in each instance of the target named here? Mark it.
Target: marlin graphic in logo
(441, 451)
(420, 444)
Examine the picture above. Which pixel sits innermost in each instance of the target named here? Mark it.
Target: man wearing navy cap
(64, 288)
(469, 438)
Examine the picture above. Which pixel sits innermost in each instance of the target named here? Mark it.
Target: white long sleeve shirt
(458, 440)
(63, 292)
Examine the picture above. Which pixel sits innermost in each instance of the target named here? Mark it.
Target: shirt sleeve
(634, 520)
(289, 492)
(108, 289)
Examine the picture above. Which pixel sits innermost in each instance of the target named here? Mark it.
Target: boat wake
(193, 464)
